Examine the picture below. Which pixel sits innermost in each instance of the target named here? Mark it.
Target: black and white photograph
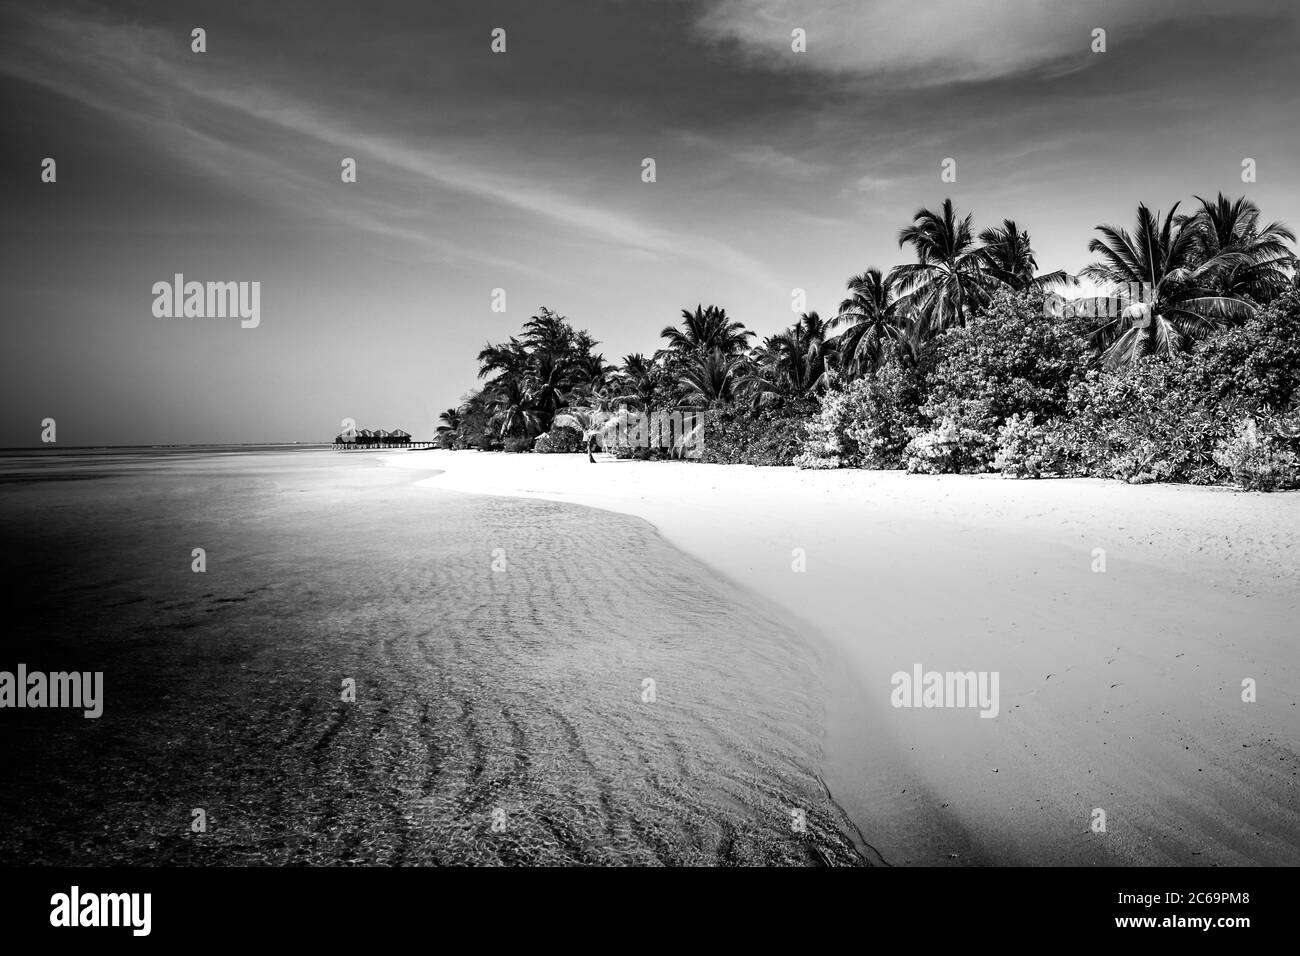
(625, 434)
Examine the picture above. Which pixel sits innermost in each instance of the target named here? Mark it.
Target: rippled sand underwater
(499, 715)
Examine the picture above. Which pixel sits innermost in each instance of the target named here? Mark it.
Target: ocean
(308, 660)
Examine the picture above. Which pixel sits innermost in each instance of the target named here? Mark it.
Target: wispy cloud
(873, 184)
(126, 72)
(934, 42)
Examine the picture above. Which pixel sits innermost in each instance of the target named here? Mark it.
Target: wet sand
(513, 697)
(1121, 690)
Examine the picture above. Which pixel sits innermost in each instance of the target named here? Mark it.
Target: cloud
(873, 184)
(770, 159)
(124, 72)
(933, 42)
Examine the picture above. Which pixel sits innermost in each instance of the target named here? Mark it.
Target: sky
(522, 170)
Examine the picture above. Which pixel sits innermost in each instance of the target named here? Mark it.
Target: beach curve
(973, 573)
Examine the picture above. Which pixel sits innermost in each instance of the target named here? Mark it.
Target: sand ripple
(499, 715)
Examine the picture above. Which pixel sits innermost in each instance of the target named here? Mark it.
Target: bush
(516, 443)
(817, 458)
(770, 436)
(1258, 462)
(1010, 359)
(1150, 420)
(1258, 361)
(866, 423)
(1012, 362)
(1026, 450)
(1018, 391)
(826, 443)
(951, 448)
(558, 441)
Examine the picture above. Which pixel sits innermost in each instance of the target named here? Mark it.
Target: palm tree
(706, 330)
(710, 378)
(792, 363)
(1008, 257)
(510, 358)
(513, 411)
(450, 427)
(1232, 226)
(871, 317)
(640, 382)
(546, 381)
(549, 332)
(474, 412)
(592, 421)
(1180, 306)
(948, 280)
(591, 373)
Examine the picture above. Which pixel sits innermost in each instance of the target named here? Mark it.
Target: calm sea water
(534, 682)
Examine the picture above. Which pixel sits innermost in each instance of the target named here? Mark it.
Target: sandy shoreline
(1120, 691)
(500, 714)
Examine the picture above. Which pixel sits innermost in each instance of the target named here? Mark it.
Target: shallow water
(501, 715)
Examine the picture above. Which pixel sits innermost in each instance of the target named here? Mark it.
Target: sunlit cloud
(934, 42)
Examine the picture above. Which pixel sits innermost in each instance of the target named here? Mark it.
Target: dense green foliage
(558, 441)
(1182, 365)
(1011, 359)
(866, 423)
(769, 436)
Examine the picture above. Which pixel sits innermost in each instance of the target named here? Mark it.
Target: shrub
(1258, 462)
(950, 448)
(826, 444)
(1012, 362)
(1026, 450)
(1009, 359)
(516, 443)
(815, 459)
(1149, 420)
(558, 441)
(866, 423)
(770, 436)
(1258, 361)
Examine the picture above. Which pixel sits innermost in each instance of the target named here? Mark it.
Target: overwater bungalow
(378, 438)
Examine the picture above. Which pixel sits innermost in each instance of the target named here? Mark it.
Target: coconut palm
(513, 411)
(591, 374)
(590, 421)
(548, 332)
(451, 422)
(871, 317)
(640, 382)
(1176, 304)
(792, 363)
(948, 281)
(509, 358)
(1008, 258)
(474, 413)
(706, 329)
(710, 378)
(1232, 226)
(547, 381)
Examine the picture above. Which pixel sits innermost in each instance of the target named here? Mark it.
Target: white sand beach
(1119, 691)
